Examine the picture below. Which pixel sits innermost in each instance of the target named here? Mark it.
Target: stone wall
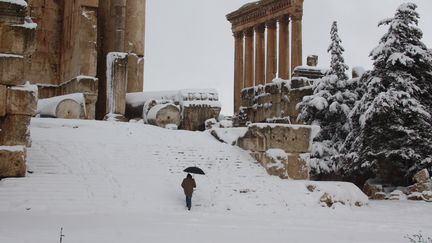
(194, 117)
(44, 66)
(276, 102)
(293, 140)
(17, 100)
(271, 102)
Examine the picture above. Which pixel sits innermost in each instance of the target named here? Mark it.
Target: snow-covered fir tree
(337, 63)
(391, 135)
(328, 107)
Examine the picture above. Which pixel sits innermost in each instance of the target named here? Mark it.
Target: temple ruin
(257, 62)
(73, 40)
(78, 58)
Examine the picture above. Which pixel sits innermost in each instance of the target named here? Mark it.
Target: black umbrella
(194, 170)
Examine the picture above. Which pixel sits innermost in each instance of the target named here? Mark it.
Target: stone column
(117, 63)
(249, 58)
(284, 53)
(119, 13)
(134, 43)
(238, 70)
(296, 42)
(260, 54)
(271, 51)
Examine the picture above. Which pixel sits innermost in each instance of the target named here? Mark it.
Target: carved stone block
(11, 69)
(17, 39)
(21, 101)
(14, 130)
(12, 161)
(12, 13)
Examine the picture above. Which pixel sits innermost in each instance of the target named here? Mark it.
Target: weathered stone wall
(194, 117)
(44, 67)
(294, 140)
(271, 102)
(17, 101)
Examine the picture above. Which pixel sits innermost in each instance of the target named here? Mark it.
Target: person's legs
(188, 202)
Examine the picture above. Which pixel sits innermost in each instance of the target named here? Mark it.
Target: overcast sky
(189, 43)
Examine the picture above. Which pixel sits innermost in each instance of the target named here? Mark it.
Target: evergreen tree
(337, 63)
(328, 107)
(391, 126)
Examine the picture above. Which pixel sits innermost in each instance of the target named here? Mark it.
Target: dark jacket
(188, 185)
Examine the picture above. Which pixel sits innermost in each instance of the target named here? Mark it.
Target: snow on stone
(184, 97)
(27, 87)
(229, 135)
(27, 25)
(341, 192)
(48, 106)
(17, 2)
(13, 148)
(10, 55)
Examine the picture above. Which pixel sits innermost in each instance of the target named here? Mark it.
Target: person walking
(188, 185)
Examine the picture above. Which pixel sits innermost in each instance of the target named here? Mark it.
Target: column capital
(271, 23)
(238, 34)
(260, 28)
(248, 32)
(297, 17)
(285, 19)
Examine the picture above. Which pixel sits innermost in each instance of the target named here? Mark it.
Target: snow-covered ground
(106, 182)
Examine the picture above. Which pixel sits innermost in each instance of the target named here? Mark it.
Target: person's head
(189, 176)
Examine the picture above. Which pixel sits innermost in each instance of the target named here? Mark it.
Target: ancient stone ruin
(73, 42)
(18, 99)
(188, 109)
(421, 190)
(259, 64)
(269, 82)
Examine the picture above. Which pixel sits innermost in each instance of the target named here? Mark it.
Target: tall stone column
(119, 13)
(284, 53)
(296, 42)
(271, 51)
(134, 43)
(249, 58)
(260, 54)
(238, 70)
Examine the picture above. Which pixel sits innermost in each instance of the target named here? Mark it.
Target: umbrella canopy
(194, 170)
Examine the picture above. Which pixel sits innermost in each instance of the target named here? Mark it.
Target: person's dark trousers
(188, 202)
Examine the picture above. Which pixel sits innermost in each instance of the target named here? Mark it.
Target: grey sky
(189, 43)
